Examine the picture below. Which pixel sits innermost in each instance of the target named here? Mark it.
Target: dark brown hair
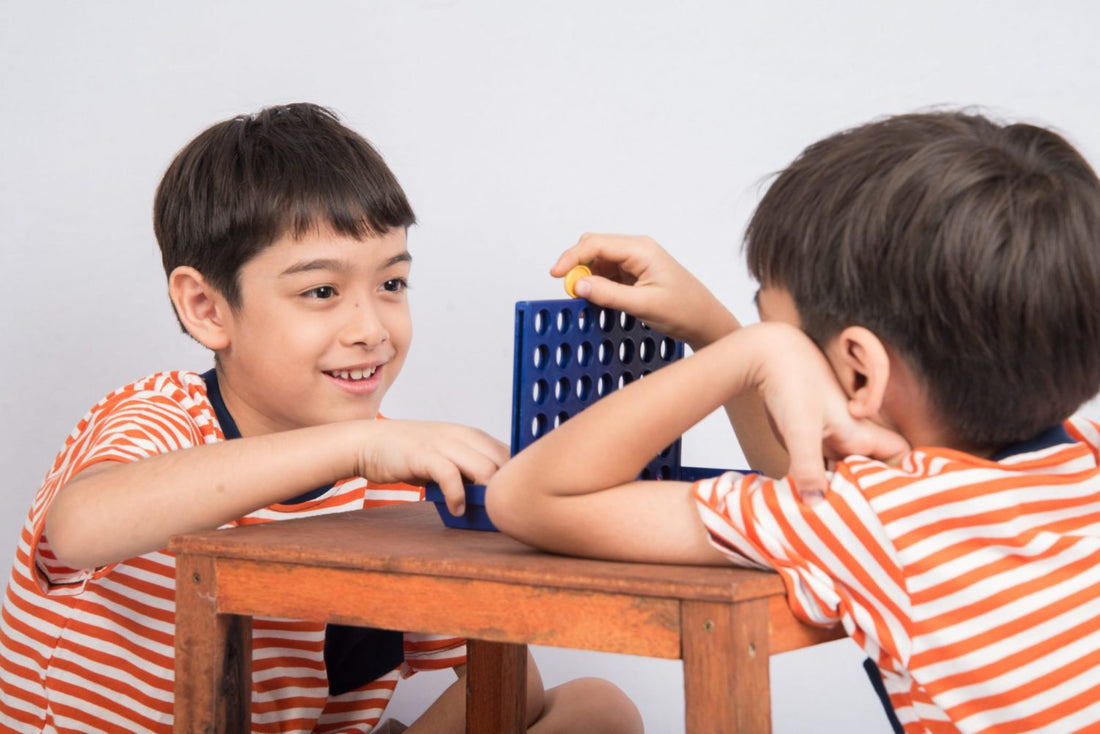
(971, 247)
(245, 182)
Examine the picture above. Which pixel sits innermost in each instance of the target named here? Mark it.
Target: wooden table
(398, 567)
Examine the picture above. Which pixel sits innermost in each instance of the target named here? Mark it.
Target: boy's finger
(447, 476)
(608, 293)
(878, 442)
(807, 466)
(592, 247)
(476, 465)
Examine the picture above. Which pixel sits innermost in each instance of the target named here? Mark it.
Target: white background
(514, 127)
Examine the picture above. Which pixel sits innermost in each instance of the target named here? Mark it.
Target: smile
(354, 374)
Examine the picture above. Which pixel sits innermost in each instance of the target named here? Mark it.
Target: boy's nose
(363, 326)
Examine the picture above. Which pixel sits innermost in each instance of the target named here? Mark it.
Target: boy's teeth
(354, 374)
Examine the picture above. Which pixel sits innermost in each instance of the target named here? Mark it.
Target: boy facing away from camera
(930, 324)
(283, 236)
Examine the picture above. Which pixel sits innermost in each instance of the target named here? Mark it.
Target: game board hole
(607, 319)
(538, 425)
(626, 351)
(626, 320)
(646, 473)
(563, 321)
(563, 354)
(647, 349)
(584, 319)
(603, 385)
(561, 389)
(606, 352)
(538, 391)
(584, 387)
(584, 354)
(668, 349)
(542, 352)
(560, 418)
(664, 472)
(625, 379)
(542, 320)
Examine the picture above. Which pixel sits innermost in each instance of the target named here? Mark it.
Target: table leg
(496, 687)
(725, 650)
(213, 655)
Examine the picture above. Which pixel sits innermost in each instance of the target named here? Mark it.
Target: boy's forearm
(573, 490)
(608, 443)
(113, 511)
(758, 442)
(745, 410)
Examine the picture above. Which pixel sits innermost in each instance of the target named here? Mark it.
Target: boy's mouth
(358, 381)
(364, 374)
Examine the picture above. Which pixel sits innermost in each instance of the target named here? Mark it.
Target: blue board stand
(568, 354)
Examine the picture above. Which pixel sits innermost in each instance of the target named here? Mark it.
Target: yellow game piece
(571, 278)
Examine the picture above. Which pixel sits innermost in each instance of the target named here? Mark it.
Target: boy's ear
(200, 307)
(862, 365)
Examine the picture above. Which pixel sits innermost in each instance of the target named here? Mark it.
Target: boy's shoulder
(1073, 446)
(181, 387)
(161, 412)
(157, 401)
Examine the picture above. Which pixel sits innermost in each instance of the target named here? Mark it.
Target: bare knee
(588, 706)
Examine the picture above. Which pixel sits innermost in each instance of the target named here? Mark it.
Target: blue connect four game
(568, 354)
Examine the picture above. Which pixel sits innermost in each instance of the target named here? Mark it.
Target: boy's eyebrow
(337, 265)
(404, 257)
(319, 264)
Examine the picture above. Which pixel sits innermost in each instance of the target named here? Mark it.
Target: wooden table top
(410, 538)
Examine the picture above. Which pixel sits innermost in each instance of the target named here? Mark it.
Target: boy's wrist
(718, 323)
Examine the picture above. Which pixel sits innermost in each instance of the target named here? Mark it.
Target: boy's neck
(907, 409)
(910, 415)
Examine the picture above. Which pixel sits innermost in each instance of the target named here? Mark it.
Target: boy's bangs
(344, 216)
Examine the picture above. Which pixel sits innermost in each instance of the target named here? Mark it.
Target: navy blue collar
(1053, 436)
(229, 428)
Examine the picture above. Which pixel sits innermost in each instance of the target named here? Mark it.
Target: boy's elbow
(500, 502)
(63, 537)
(505, 503)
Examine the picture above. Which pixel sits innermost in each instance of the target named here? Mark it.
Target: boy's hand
(809, 410)
(419, 451)
(634, 274)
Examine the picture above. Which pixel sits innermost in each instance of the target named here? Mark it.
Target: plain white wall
(514, 127)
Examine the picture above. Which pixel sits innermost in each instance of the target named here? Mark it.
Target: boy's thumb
(879, 443)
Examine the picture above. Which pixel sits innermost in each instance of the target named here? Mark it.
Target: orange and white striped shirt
(85, 650)
(973, 584)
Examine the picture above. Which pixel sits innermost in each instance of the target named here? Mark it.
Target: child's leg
(582, 705)
(587, 706)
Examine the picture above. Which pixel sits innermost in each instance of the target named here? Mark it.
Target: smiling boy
(283, 235)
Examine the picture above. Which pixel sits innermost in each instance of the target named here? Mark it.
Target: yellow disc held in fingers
(571, 278)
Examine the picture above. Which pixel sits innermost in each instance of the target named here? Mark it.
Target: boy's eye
(321, 292)
(395, 285)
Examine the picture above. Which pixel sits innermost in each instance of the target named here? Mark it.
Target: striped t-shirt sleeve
(836, 563)
(126, 428)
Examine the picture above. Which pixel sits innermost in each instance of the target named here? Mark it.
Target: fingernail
(582, 288)
(460, 510)
(813, 497)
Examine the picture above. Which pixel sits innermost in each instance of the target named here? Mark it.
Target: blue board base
(475, 517)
